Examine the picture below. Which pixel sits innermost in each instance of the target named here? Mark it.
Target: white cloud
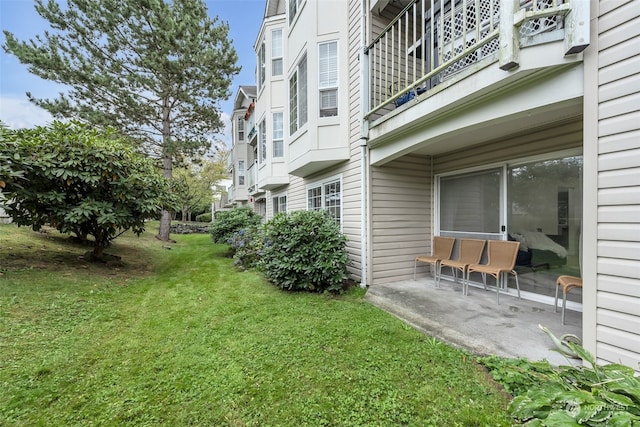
(226, 130)
(20, 113)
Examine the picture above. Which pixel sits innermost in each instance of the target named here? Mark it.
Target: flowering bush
(226, 223)
(246, 245)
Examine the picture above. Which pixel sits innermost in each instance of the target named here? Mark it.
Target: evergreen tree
(153, 69)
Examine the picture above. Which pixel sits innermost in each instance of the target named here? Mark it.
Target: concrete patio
(476, 322)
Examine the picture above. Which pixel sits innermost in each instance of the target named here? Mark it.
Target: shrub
(246, 245)
(304, 250)
(204, 217)
(228, 222)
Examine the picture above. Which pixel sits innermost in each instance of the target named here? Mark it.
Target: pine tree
(153, 69)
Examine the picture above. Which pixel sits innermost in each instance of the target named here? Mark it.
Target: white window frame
(298, 97)
(328, 75)
(277, 53)
(322, 185)
(277, 134)
(293, 10)
(241, 172)
(240, 126)
(262, 65)
(278, 200)
(262, 141)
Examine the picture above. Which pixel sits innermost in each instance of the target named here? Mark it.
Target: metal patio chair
(442, 248)
(566, 283)
(469, 252)
(501, 258)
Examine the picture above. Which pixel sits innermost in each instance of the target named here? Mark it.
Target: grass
(177, 337)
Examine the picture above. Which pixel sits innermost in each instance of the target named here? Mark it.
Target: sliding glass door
(536, 202)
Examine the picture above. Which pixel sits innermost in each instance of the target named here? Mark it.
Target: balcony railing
(231, 194)
(431, 41)
(252, 178)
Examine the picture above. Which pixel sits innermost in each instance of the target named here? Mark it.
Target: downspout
(364, 135)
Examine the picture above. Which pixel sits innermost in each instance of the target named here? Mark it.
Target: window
(298, 96)
(279, 203)
(326, 195)
(278, 145)
(240, 128)
(471, 203)
(294, 5)
(328, 78)
(262, 152)
(261, 65)
(276, 52)
(240, 172)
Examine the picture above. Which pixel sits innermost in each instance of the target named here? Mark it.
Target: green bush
(587, 395)
(228, 222)
(204, 217)
(304, 250)
(246, 245)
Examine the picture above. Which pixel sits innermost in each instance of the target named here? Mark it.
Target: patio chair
(469, 252)
(501, 258)
(442, 248)
(566, 283)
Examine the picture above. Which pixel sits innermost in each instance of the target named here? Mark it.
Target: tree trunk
(165, 226)
(98, 245)
(167, 167)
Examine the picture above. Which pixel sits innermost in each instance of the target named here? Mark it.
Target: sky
(20, 18)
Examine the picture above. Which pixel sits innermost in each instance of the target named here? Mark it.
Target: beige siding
(401, 217)
(618, 178)
(558, 137)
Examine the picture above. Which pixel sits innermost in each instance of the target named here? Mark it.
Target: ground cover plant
(585, 394)
(179, 337)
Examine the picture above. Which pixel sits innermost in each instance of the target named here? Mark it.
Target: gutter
(364, 136)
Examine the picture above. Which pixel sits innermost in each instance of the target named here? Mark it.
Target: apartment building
(408, 119)
(241, 156)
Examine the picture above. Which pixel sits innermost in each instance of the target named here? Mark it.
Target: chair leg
(415, 264)
(465, 283)
(515, 274)
(498, 277)
(555, 305)
(564, 304)
(437, 274)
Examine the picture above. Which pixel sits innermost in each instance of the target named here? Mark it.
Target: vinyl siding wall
(400, 216)
(618, 182)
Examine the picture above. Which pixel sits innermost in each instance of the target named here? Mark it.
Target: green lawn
(177, 337)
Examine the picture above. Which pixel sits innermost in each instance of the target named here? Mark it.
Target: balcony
(231, 194)
(230, 161)
(432, 44)
(252, 180)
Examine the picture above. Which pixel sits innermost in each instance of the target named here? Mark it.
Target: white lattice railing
(430, 41)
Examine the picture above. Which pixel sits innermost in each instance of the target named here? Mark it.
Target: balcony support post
(576, 36)
(509, 56)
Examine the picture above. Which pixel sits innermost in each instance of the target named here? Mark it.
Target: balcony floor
(476, 322)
